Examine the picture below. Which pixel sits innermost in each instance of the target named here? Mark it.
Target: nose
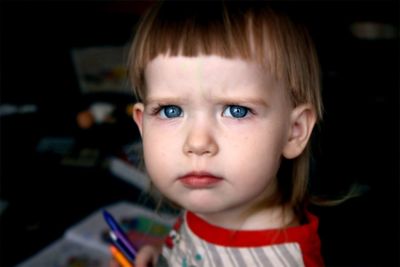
(200, 141)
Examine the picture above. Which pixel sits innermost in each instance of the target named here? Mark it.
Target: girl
(229, 93)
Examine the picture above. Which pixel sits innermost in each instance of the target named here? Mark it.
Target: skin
(225, 119)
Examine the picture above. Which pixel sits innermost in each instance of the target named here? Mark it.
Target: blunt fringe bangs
(249, 30)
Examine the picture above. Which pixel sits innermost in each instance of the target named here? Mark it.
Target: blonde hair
(248, 30)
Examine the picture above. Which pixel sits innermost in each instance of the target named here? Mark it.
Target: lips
(199, 180)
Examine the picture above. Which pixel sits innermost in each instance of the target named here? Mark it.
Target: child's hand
(147, 256)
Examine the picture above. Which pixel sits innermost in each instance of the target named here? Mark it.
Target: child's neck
(269, 218)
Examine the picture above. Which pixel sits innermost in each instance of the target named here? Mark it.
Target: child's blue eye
(235, 111)
(170, 112)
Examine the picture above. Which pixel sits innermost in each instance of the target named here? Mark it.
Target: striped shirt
(194, 242)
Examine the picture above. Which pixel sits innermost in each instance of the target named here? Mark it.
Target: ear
(303, 119)
(137, 115)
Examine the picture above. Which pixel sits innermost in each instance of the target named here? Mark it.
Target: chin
(200, 201)
(202, 208)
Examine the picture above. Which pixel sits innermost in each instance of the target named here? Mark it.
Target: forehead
(207, 73)
(211, 66)
(203, 67)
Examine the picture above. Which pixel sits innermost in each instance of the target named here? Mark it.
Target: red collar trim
(306, 235)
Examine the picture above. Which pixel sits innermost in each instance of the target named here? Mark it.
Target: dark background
(357, 141)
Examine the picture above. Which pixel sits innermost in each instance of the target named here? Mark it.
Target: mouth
(199, 180)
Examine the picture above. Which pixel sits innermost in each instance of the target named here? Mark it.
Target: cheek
(159, 155)
(255, 154)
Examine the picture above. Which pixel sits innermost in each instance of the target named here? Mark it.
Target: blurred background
(64, 114)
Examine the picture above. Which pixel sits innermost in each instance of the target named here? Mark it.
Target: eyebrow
(239, 100)
(223, 100)
(167, 99)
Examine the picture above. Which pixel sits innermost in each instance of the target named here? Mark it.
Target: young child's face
(213, 131)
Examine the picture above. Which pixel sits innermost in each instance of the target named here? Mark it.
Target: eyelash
(156, 109)
(160, 107)
(245, 111)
